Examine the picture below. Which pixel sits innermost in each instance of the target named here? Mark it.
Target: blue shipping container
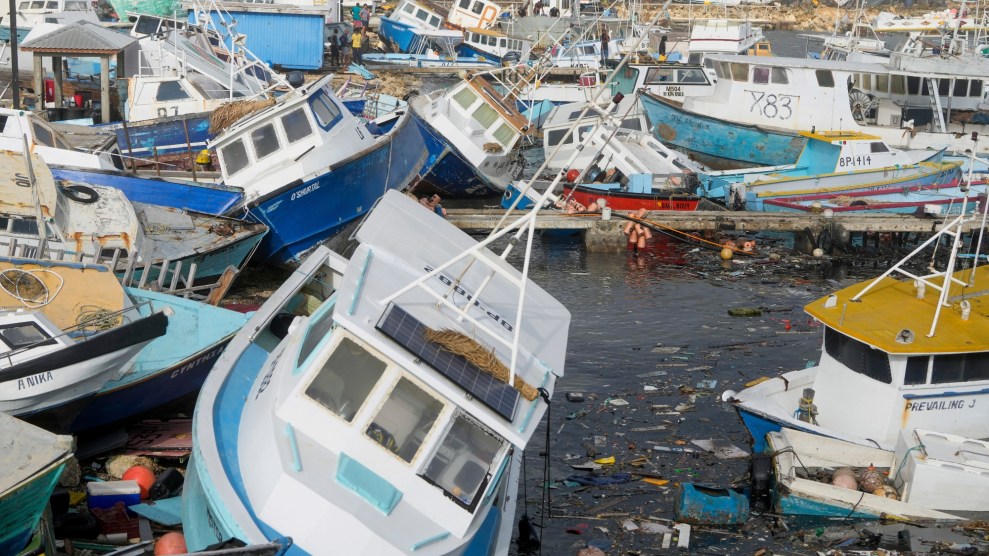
(291, 41)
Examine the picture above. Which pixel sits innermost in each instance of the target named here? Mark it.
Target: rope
(545, 505)
(95, 318)
(34, 293)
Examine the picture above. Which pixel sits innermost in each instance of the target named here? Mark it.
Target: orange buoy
(170, 543)
(144, 477)
(572, 175)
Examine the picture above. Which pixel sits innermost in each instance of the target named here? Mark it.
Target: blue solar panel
(408, 331)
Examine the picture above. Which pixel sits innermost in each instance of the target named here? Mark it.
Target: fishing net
(484, 359)
(152, 7)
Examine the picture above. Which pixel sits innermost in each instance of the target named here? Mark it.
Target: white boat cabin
(725, 36)
(497, 44)
(418, 14)
(145, 24)
(150, 97)
(63, 12)
(473, 14)
(488, 121)
(307, 130)
(47, 142)
(561, 119)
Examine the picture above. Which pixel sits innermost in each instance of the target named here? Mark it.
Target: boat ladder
(935, 98)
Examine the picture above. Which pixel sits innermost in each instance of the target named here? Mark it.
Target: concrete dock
(811, 230)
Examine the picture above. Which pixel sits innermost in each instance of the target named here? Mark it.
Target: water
(664, 311)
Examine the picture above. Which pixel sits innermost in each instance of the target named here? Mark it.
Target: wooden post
(57, 71)
(39, 84)
(154, 150)
(130, 150)
(105, 88)
(188, 145)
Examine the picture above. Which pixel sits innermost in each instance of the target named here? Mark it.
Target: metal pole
(15, 86)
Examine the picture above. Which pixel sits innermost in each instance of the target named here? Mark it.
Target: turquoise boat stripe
(426, 542)
(294, 445)
(360, 284)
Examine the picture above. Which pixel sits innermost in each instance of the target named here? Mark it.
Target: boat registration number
(853, 161)
(773, 106)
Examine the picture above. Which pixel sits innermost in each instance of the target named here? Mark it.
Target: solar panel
(408, 331)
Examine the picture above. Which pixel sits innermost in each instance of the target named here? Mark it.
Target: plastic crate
(116, 519)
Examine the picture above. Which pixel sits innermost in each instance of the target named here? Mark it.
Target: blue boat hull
(21, 508)
(718, 139)
(199, 197)
(167, 135)
(449, 172)
(303, 215)
(398, 36)
(170, 367)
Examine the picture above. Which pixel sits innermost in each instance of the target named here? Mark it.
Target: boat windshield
(462, 463)
(22, 334)
(346, 379)
(857, 356)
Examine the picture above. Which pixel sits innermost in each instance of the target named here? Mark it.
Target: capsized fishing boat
(31, 461)
(169, 367)
(921, 200)
(18, 126)
(308, 166)
(929, 475)
(68, 329)
(90, 221)
(896, 355)
(351, 411)
(471, 131)
(831, 163)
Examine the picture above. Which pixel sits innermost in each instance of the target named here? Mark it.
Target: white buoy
(818, 252)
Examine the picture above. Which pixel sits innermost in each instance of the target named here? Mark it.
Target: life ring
(81, 194)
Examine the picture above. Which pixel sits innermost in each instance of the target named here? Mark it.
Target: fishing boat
(920, 200)
(929, 475)
(896, 355)
(759, 106)
(411, 24)
(67, 330)
(471, 131)
(433, 48)
(20, 126)
(831, 163)
(170, 367)
(495, 46)
(30, 465)
(308, 166)
(725, 36)
(351, 412)
(90, 221)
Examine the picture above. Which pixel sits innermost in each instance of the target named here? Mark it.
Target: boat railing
(171, 277)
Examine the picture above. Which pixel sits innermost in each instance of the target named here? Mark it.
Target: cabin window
(37, 5)
(24, 226)
(943, 87)
(171, 90)
(760, 75)
(825, 78)
(485, 115)
(464, 4)
(346, 379)
(695, 58)
(866, 81)
(325, 111)
(962, 367)
(477, 7)
(858, 356)
(318, 330)
(408, 8)
(234, 157)
(22, 335)
(913, 85)
(422, 15)
(632, 123)
(434, 21)
(720, 71)
(51, 5)
(296, 125)
(25, 5)
(554, 137)
(878, 147)
(42, 135)
(739, 72)
(658, 75)
(502, 43)
(146, 25)
(405, 419)
(505, 134)
(779, 76)
(265, 140)
(916, 372)
(976, 90)
(898, 85)
(882, 83)
(692, 76)
(961, 88)
(465, 97)
(462, 464)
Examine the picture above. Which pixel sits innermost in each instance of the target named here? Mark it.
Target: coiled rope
(26, 287)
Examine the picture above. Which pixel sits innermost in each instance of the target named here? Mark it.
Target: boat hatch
(462, 463)
(267, 138)
(19, 335)
(496, 394)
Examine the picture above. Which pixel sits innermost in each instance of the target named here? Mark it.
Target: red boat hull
(623, 200)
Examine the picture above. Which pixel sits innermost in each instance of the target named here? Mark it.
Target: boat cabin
(64, 12)
(473, 14)
(485, 116)
(671, 80)
(283, 142)
(496, 45)
(725, 36)
(418, 14)
(47, 142)
(828, 152)
(145, 24)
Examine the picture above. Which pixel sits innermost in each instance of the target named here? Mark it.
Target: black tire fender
(81, 194)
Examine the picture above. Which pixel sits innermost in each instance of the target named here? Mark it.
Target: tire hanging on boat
(81, 194)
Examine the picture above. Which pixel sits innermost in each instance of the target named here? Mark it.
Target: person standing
(355, 12)
(366, 16)
(335, 48)
(605, 38)
(356, 42)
